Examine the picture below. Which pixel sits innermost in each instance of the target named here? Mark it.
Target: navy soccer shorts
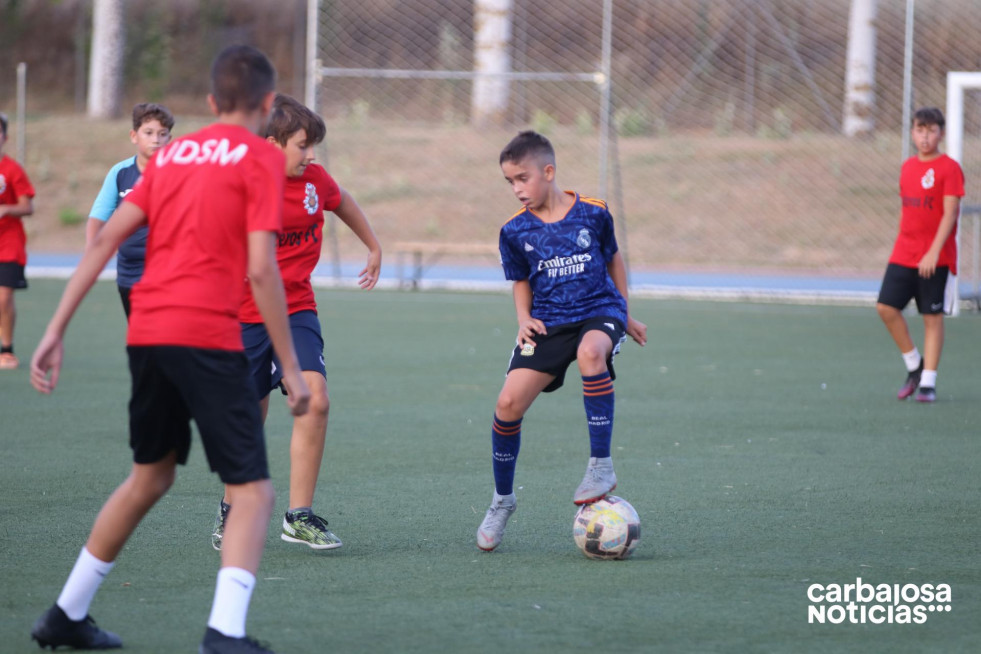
(266, 371)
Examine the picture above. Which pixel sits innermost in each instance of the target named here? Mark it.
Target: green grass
(761, 445)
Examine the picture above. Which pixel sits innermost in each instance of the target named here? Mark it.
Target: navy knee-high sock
(505, 441)
(599, 400)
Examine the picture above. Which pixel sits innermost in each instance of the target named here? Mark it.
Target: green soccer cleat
(308, 529)
(219, 529)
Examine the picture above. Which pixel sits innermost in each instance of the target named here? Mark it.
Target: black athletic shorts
(558, 348)
(173, 385)
(124, 293)
(902, 284)
(12, 275)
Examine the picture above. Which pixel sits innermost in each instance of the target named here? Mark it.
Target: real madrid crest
(583, 239)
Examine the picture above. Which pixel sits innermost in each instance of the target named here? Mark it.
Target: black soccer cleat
(926, 394)
(912, 381)
(54, 629)
(216, 642)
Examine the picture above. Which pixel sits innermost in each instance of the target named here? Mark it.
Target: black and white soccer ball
(607, 529)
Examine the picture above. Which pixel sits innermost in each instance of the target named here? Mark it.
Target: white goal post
(957, 83)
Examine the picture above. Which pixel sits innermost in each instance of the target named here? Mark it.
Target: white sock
(233, 591)
(912, 359)
(82, 584)
(505, 499)
(928, 379)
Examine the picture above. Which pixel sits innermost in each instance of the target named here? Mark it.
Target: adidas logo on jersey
(528, 247)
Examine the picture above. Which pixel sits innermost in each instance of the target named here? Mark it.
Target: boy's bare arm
(527, 326)
(267, 289)
(351, 215)
(618, 273)
(24, 207)
(46, 362)
(92, 228)
(952, 207)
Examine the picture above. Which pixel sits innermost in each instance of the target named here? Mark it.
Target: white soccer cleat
(598, 481)
(491, 530)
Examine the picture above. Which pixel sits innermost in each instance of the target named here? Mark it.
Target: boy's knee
(151, 487)
(319, 404)
(885, 311)
(591, 356)
(507, 407)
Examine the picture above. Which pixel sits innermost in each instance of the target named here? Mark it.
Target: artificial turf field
(762, 446)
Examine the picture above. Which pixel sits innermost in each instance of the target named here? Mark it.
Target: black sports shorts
(902, 284)
(12, 275)
(558, 348)
(173, 385)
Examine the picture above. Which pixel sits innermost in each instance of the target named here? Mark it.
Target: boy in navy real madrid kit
(570, 295)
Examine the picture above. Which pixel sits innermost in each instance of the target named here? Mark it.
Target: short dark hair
(241, 76)
(929, 116)
(3, 123)
(289, 116)
(147, 111)
(528, 144)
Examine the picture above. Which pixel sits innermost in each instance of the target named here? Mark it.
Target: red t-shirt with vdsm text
(202, 195)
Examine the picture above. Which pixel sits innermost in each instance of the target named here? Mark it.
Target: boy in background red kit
(16, 201)
(923, 263)
(213, 203)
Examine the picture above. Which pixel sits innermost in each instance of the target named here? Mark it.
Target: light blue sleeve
(108, 198)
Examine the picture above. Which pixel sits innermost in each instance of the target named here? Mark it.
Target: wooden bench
(426, 253)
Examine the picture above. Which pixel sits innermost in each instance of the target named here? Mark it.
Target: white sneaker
(491, 530)
(598, 481)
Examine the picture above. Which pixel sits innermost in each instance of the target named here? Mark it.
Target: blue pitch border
(785, 288)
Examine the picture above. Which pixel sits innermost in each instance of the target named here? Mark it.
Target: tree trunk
(106, 63)
(859, 111)
(492, 40)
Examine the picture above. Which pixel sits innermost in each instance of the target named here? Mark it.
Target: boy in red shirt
(213, 203)
(16, 201)
(310, 191)
(923, 264)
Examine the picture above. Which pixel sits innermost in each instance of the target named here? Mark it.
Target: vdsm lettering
(212, 151)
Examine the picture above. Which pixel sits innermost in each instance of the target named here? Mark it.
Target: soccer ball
(607, 529)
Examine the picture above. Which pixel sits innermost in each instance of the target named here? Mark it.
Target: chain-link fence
(726, 146)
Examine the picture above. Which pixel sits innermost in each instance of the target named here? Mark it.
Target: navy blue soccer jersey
(132, 252)
(565, 262)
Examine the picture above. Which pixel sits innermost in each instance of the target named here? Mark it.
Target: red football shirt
(13, 185)
(305, 199)
(202, 195)
(922, 187)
